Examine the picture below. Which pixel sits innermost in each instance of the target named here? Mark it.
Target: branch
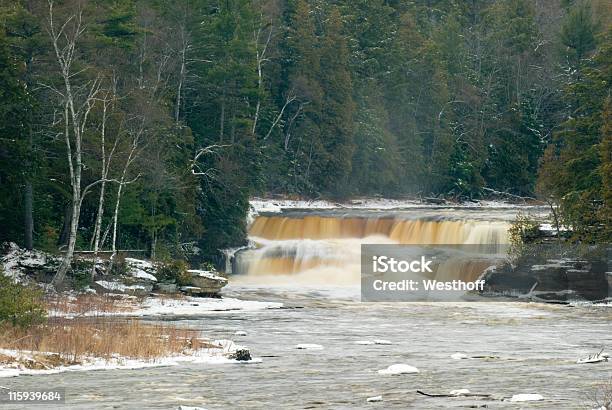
(289, 100)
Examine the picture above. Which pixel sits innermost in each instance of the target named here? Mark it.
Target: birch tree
(77, 102)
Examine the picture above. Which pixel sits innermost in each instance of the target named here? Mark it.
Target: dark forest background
(155, 121)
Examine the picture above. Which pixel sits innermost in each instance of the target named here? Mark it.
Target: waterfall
(327, 248)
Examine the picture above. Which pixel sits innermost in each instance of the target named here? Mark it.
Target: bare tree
(123, 181)
(77, 105)
(107, 101)
(260, 55)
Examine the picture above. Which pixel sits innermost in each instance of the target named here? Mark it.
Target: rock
(382, 342)
(137, 289)
(166, 287)
(241, 355)
(141, 269)
(550, 280)
(399, 369)
(374, 399)
(192, 290)
(207, 281)
(309, 346)
(526, 397)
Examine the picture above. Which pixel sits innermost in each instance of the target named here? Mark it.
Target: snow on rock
(140, 274)
(374, 399)
(382, 342)
(240, 333)
(459, 392)
(206, 274)
(364, 342)
(190, 408)
(526, 397)
(208, 281)
(141, 269)
(309, 346)
(17, 261)
(459, 356)
(119, 287)
(399, 369)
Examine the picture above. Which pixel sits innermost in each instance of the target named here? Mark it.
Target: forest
(148, 124)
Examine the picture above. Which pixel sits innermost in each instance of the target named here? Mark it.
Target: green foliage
(20, 305)
(523, 230)
(81, 274)
(174, 271)
(575, 167)
(302, 97)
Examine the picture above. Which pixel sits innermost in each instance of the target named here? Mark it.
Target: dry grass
(98, 305)
(90, 304)
(72, 340)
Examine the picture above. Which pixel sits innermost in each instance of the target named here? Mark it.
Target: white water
(324, 250)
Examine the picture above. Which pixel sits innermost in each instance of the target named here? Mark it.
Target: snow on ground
(18, 259)
(186, 306)
(118, 286)
(259, 205)
(202, 356)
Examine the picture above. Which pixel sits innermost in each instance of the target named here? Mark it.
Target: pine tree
(333, 166)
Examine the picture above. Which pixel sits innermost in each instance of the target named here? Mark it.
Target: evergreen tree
(332, 166)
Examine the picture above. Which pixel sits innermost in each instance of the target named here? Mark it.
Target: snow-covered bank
(259, 205)
(22, 361)
(164, 306)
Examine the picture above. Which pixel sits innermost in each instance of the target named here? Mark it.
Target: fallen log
(453, 395)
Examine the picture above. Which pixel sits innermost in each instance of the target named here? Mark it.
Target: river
(514, 348)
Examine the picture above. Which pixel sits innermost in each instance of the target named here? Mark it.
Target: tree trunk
(98, 228)
(115, 221)
(59, 277)
(28, 216)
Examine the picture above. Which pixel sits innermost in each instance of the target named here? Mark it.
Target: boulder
(192, 290)
(242, 355)
(166, 287)
(208, 281)
(551, 280)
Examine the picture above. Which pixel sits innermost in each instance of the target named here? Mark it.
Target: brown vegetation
(73, 340)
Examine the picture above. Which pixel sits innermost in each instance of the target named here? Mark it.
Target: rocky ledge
(551, 280)
(137, 277)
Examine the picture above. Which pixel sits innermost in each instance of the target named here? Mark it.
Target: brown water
(523, 348)
(309, 265)
(325, 247)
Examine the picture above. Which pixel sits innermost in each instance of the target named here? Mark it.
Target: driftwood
(509, 195)
(454, 395)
